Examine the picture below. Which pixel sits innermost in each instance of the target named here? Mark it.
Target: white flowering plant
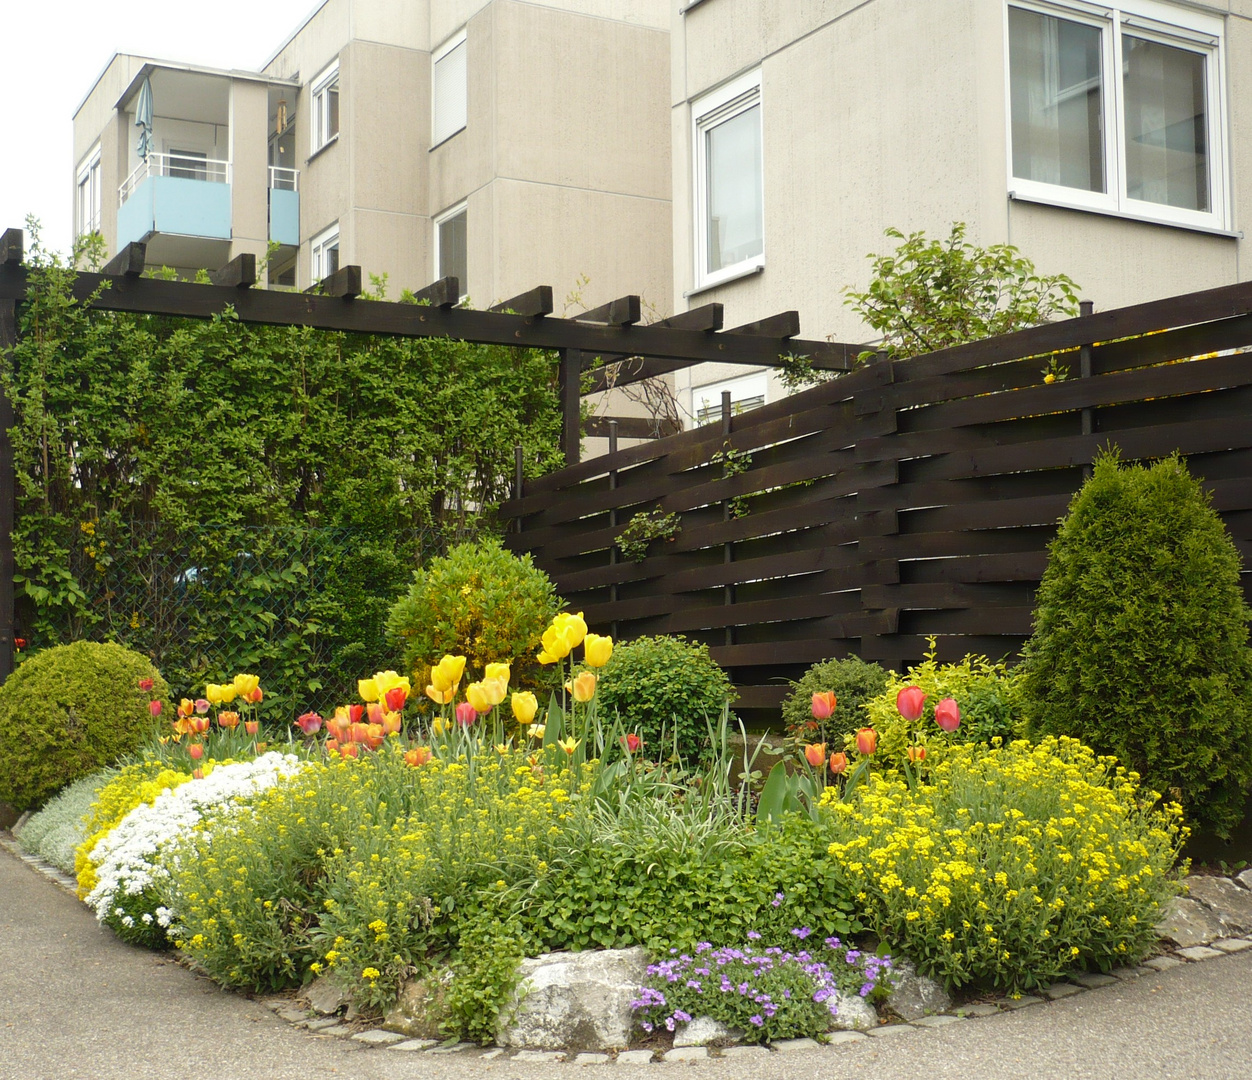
(130, 868)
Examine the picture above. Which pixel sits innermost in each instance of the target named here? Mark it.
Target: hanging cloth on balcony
(143, 119)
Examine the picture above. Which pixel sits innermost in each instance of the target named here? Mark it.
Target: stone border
(285, 1008)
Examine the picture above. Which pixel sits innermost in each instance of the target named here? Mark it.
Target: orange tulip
(815, 754)
(838, 762)
(375, 712)
(196, 750)
(910, 702)
(227, 719)
(867, 740)
(197, 774)
(419, 755)
(823, 704)
(584, 686)
(391, 723)
(251, 726)
(916, 753)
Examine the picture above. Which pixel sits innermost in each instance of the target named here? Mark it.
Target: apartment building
(508, 143)
(1108, 141)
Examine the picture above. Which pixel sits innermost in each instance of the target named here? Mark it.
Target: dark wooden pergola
(593, 344)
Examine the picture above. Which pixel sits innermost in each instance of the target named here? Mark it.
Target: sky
(55, 49)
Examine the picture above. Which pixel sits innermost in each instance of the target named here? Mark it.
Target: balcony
(284, 187)
(175, 195)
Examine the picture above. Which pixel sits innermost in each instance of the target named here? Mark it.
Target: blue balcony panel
(175, 205)
(285, 217)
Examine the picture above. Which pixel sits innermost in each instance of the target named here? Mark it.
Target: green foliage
(852, 680)
(987, 694)
(932, 294)
(55, 831)
(1012, 865)
(667, 690)
(643, 528)
(490, 948)
(480, 602)
(1141, 637)
(257, 495)
(734, 463)
(68, 712)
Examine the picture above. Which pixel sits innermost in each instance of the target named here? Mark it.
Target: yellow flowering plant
(1010, 865)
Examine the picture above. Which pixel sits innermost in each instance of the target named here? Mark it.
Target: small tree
(933, 294)
(1140, 646)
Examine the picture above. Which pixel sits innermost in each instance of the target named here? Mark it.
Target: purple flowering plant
(767, 992)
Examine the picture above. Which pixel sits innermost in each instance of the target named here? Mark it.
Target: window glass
(1166, 111)
(89, 195)
(449, 91)
(325, 254)
(453, 256)
(1057, 100)
(734, 204)
(325, 112)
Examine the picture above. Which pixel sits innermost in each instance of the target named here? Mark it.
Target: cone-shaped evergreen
(1140, 645)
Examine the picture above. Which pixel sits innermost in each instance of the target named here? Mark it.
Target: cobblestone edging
(286, 1008)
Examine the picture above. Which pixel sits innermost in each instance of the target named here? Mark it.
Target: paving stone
(1093, 979)
(321, 1023)
(275, 1003)
(1128, 973)
(491, 1055)
(789, 1046)
(455, 1048)
(1188, 922)
(537, 1055)
(887, 1030)
(635, 1057)
(585, 1059)
(1023, 1002)
(1232, 945)
(687, 1053)
(942, 1020)
(1200, 952)
(1230, 902)
(835, 1038)
(291, 1014)
(336, 1029)
(744, 1052)
(982, 1009)
(378, 1037)
(1163, 963)
(1061, 990)
(410, 1045)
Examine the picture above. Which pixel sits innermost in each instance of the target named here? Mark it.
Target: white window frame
(707, 112)
(741, 387)
(320, 134)
(452, 211)
(318, 246)
(1170, 24)
(88, 211)
(457, 40)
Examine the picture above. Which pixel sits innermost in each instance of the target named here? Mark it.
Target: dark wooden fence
(904, 499)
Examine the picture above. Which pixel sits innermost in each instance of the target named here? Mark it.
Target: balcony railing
(284, 179)
(184, 166)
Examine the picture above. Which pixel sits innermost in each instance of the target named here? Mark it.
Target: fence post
(569, 381)
(728, 549)
(8, 498)
(1085, 309)
(613, 522)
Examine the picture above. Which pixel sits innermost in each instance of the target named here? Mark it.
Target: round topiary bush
(661, 688)
(68, 711)
(481, 602)
(1140, 645)
(852, 680)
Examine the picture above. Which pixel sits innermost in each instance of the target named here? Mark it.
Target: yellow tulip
(564, 635)
(498, 671)
(536, 731)
(245, 684)
(446, 675)
(546, 657)
(478, 696)
(597, 650)
(502, 748)
(441, 697)
(525, 705)
(495, 689)
(389, 680)
(216, 694)
(584, 686)
(367, 689)
(568, 745)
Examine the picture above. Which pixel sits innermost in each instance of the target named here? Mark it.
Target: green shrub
(852, 680)
(667, 685)
(54, 832)
(69, 711)
(1012, 865)
(480, 602)
(987, 694)
(1140, 646)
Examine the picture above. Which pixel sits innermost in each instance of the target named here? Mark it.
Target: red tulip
(815, 754)
(633, 743)
(947, 715)
(196, 750)
(355, 712)
(396, 697)
(910, 701)
(20, 643)
(823, 704)
(465, 714)
(310, 723)
(154, 707)
(916, 753)
(144, 684)
(838, 762)
(867, 740)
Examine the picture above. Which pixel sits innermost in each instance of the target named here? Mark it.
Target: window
(451, 252)
(448, 89)
(729, 208)
(325, 254)
(746, 393)
(88, 203)
(1118, 108)
(325, 112)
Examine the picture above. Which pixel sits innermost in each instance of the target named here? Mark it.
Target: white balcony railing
(284, 179)
(186, 166)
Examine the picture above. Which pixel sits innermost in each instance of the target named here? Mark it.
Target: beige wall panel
(405, 23)
(448, 16)
(317, 43)
(325, 193)
(582, 101)
(390, 128)
(99, 105)
(553, 235)
(466, 161)
(1239, 99)
(392, 244)
(249, 131)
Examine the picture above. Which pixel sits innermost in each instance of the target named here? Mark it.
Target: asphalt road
(77, 1003)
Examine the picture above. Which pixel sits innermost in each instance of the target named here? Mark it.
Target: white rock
(853, 1013)
(914, 995)
(704, 1031)
(577, 1001)
(1188, 922)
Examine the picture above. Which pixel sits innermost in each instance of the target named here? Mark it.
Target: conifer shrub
(667, 690)
(1140, 645)
(68, 711)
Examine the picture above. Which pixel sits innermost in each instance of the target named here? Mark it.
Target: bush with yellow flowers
(1011, 865)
